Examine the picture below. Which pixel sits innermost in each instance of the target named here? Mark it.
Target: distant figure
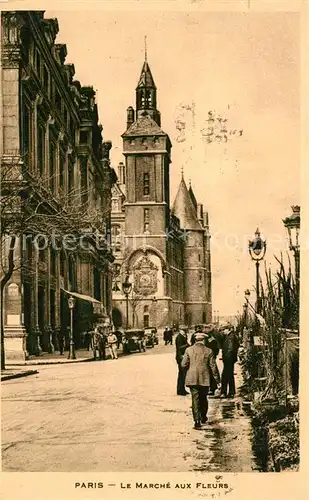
(199, 362)
(230, 347)
(181, 345)
(119, 338)
(170, 336)
(112, 344)
(98, 342)
(165, 335)
(61, 341)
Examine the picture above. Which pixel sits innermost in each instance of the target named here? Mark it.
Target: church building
(162, 251)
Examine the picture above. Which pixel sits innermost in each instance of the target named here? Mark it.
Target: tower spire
(145, 48)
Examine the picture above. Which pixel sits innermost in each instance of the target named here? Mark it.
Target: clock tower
(147, 152)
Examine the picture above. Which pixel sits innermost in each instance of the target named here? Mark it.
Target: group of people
(99, 338)
(198, 370)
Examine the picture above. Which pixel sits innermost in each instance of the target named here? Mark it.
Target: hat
(199, 336)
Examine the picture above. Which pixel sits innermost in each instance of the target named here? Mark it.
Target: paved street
(117, 415)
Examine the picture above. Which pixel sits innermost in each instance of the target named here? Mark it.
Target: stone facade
(169, 246)
(52, 137)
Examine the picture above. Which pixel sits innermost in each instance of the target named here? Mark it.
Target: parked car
(151, 336)
(133, 340)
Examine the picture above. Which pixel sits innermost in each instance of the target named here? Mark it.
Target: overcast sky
(244, 66)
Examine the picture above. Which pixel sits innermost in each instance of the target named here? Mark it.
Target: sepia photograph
(150, 243)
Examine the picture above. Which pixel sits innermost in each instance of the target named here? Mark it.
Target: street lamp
(292, 224)
(257, 249)
(71, 302)
(126, 288)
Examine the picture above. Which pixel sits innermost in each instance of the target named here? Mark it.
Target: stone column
(57, 301)
(48, 327)
(37, 332)
(15, 334)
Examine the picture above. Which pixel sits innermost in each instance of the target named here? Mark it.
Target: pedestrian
(61, 340)
(112, 345)
(199, 362)
(165, 335)
(170, 336)
(212, 344)
(119, 338)
(181, 345)
(230, 347)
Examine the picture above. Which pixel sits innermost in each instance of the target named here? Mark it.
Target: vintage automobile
(133, 340)
(151, 336)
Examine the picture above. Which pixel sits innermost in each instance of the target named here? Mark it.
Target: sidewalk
(45, 358)
(10, 373)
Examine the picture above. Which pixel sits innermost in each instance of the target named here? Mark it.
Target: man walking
(200, 363)
(181, 345)
(230, 347)
(112, 344)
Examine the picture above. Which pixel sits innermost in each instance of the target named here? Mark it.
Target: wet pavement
(119, 415)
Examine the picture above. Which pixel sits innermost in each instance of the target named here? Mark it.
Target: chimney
(200, 212)
(205, 220)
(130, 116)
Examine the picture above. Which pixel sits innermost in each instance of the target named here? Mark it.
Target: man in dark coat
(165, 335)
(200, 363)
(212, 344)
(230, 347)
(181, 345)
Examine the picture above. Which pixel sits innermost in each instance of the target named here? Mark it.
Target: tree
(31, 210)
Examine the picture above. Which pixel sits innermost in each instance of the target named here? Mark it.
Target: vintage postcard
(154, 246)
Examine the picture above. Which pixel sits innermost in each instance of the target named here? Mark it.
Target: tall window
(62, 263)
(71, 177)
(41, 150)
(38, 63)
(61, 169)
(84, 180)
(27, 129)
(116, 237)
(146, 220)
(46, 80)
(200, 277)
(53, 262)
(52, 165)
(146, 186)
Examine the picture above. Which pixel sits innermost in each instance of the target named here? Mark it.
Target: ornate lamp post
(71, 302)
(292, 224)
(126, 288)
(257, 249)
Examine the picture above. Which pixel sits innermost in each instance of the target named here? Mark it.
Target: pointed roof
(192, 196)
(184, 209)
(144, 125)
(146, 79)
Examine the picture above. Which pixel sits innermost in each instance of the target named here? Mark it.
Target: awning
(83, 297)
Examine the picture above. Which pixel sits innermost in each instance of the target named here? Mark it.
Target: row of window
(51, 90)
(51, 159)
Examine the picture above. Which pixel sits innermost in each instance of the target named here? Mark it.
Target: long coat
(181, 345)
(200, 363)
(230, 347)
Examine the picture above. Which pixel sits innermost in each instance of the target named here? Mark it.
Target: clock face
(145, 280)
